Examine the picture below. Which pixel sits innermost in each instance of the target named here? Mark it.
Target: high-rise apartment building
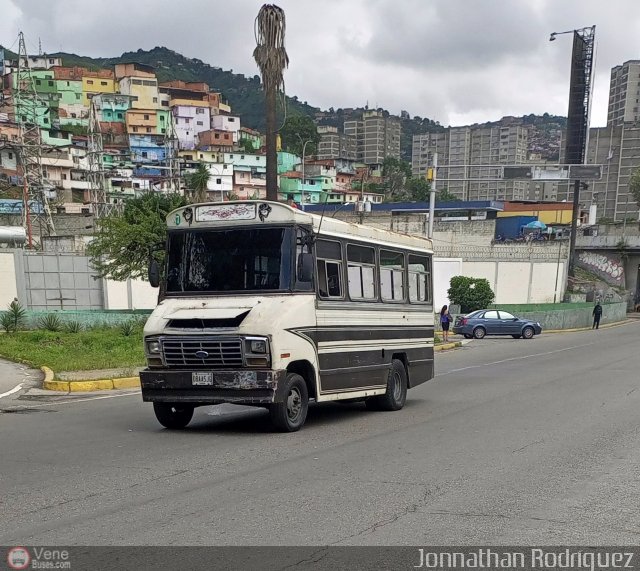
(377, 137)
(624, 94)
(615, 148)
(466, 156)
(334, 145)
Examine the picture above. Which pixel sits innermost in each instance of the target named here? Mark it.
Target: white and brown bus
(267, 305)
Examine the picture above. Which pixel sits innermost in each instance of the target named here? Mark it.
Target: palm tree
(197, 183)
(271, 57)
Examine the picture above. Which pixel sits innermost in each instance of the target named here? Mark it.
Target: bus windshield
(230, 260)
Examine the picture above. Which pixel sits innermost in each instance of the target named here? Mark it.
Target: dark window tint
(361, 254)
(328, 249)
(230, 260)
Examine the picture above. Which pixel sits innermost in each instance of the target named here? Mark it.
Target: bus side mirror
(154, 273)
(305, 267)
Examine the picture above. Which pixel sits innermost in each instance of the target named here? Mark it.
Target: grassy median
(82, 351)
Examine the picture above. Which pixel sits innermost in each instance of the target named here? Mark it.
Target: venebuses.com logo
(38, 558)
(18, 558)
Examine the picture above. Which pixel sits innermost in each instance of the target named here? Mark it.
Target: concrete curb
(603, 326)
(447, 346)
(51, 384)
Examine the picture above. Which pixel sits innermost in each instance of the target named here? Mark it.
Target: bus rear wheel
(289, 415)
(396, 394)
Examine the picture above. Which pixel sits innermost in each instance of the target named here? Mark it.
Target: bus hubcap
(294, 404)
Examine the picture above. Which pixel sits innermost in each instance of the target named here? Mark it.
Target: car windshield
(231, 260)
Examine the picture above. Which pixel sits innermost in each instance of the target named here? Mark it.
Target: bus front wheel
(289, 415)
(396, 394)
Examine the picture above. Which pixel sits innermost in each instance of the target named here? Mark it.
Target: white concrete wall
(519, 282)
(543, 282)
(443, 270)
(8, 286)
(143, 296)
(132, 294)
(513, 282)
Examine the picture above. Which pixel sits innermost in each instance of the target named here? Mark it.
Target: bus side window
(329, 264)
(361, 269)
(419, 279)
(303, 246)
(391, 276)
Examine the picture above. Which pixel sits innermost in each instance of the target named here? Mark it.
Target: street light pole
(304, 149)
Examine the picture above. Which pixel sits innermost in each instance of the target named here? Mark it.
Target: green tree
(125, 242)
(197, 182)
(470, 293)
(247, 146)
(634, 185)
(419, 189)
(445, 196)
(296, 130)
(395, 173)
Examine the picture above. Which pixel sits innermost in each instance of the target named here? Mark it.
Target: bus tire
(396, 394)
(290, 415)
(173, 416)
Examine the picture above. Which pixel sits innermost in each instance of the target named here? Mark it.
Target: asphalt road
(514, 442)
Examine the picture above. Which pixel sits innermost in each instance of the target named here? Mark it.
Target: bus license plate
(202, 378)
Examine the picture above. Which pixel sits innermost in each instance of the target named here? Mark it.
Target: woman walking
(445, 319)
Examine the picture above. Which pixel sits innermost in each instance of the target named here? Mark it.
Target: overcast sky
(454, 61)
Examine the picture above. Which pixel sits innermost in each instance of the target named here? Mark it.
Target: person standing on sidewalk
(445, 319)
(597, 314)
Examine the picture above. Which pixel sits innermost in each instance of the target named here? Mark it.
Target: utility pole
(432, 196)
(172, 160)
(95, 156)
(26, 104)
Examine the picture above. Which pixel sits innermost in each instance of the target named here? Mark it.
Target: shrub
(14, 318)
(128, 328)
(50, 322)
(470, 293)
(73, 326)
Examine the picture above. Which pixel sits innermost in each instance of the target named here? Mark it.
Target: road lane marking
(520, 358)
(13, 390)
(56, 403)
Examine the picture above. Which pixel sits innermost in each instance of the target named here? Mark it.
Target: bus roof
(250, 212)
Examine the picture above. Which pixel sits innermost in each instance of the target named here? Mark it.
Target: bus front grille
(202, 353)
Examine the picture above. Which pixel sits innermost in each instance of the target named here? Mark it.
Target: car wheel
(467, 336)
(173, 416)
(528, 332)
(289, 415)
(479, 332)
(396, 394)
(516, 336)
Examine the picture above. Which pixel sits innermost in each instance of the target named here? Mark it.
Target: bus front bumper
(238, 386)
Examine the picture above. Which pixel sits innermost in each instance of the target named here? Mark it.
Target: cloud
(455, 61)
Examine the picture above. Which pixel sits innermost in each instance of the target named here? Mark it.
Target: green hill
(244, 94)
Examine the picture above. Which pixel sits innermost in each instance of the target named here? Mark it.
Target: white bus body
(261, 298)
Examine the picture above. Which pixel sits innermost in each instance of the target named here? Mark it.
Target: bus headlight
(258, 346)
(153, 346)
(256, 352)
